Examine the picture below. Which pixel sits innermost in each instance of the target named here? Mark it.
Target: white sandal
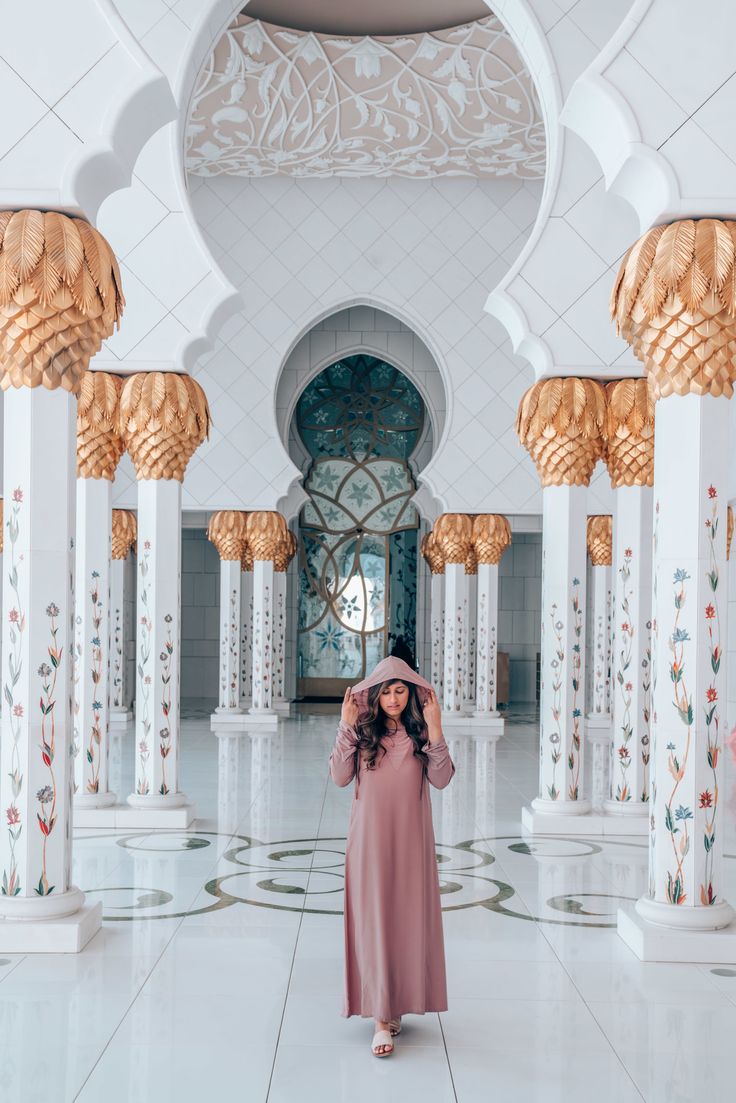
(382, 1038)
(394, 1026)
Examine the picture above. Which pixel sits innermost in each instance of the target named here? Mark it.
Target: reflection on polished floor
(219, 963)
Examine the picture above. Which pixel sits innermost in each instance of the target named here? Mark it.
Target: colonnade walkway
(217, 973)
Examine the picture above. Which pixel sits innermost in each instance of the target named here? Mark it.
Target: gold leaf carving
(491, 537)
(432, 553)
(266, 532)
(246, 562)
(165, 417)
(99, 443)
(600, 539)
(54, 311)
(227, 531)
(453, 533)
(674, 301)
(124, 532)
(560, 423)
(629, 433)
(285, 553)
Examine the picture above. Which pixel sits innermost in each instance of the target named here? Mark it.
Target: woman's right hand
(349, 713)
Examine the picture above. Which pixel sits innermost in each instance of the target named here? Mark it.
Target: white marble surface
(177, 997)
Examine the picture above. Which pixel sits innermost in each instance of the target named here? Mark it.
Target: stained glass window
(360, 420)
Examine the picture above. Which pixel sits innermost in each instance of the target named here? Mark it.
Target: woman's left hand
(433, 716)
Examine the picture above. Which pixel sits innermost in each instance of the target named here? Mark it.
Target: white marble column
(631, 660)
(246, 632)
(266, 532)
(227, 532)
(599, 536)
(284, 556)
(123, 537)
(36, 783)
(491, 537)
(436, 564)
(452, 533)
(686, 875)
(563, 652)
(160, 457)
(471, 631)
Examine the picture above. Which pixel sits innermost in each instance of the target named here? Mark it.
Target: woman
(390, 740)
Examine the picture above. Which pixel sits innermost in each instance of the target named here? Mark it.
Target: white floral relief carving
(455, 102)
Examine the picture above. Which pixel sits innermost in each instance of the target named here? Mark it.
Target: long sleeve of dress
(342, 756)
(440, 767)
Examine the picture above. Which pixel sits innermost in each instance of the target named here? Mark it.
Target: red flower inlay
(709, 612)
(13, 616)
(17, 710)
(628, 553)
(711, 693)
(712, 492)
(706, 799)
(17, 494)
(13, 814)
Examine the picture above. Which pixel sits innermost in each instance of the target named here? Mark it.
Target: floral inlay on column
(560, 423)
(144, 667)
(60, 297)
(227, 531)
(453, 535)
(674, 301)
(285, 552)
(624, 674)
(491, 538)
(124, 532)
(436, 563)
(267, 534)
(11, 882)
(96, 660)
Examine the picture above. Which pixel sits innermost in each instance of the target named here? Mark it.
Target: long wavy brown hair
(371, 726)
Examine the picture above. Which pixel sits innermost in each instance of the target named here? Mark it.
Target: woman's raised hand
(349, 713)
(432, 713)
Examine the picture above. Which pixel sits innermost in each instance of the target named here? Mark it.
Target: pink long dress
(394, 949)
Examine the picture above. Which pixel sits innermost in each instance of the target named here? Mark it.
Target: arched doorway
(361, 423)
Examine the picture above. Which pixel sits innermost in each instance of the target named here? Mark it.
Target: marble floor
(217, 973)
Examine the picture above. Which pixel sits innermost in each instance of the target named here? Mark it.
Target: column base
(282, 706)
(152, 812)
(120, 719)
(538, 820)
(87, 801)
(654, 941)
(625, 809)
(266, 718)
(228, 722)
(64, 935)
(476, 723)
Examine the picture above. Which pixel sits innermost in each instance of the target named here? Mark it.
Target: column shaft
(263, 585)
(471, 636)
(229, 636)
(36, 764)
(158, 645)
(246, 638)
(600, 702)
(686, 882)
(563, 651)
(120, 695)
(631, 650)
(92, 643)
(279, 635)
(487, 630)
(437, 622)
(454, 637)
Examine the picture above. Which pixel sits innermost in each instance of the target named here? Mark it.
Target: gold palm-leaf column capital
(453, 533)
(266, 532)
(729, 529)
(471, 561)
(285, 552)
(227, 531)
(246, 560)
(432, 553)
(99, 443)
(164, 417)
(60, 297)
(560, 423)
(491, 537)
(629, 433)
(599, 535)
(674, 301)
(124, 532)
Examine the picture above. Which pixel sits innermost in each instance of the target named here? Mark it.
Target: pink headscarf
(390, 670)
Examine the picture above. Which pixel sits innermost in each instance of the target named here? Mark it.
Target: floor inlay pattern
(219, 965)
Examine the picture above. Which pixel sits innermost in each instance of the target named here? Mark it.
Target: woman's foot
(382, 1045)
(394, 1026)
